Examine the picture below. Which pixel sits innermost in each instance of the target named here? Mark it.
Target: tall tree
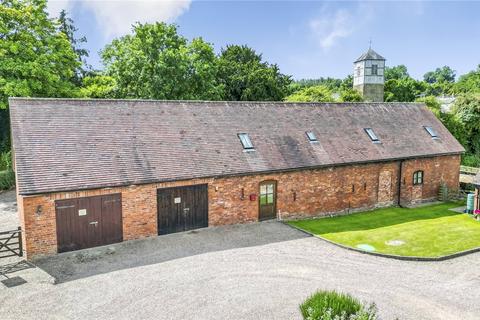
(396, 73)
(67, 26)
(155, 62)
(443, 74)
(247, 77)
(35, 58)
(469, 82)
(311, 94)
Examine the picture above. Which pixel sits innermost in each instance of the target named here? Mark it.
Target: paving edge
(389, 256)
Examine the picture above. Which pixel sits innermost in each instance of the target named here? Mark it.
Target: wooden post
(20, 244)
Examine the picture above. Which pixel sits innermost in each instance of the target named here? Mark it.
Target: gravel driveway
(255, 271)
(8, 210)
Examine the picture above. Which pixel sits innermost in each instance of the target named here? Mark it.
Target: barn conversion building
(95, 172)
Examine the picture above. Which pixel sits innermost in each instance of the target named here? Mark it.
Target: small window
(372, 135)
(246, 142)
(311, 136)
(358, 71)
(431, 132)
(418, 177)
(374, 69)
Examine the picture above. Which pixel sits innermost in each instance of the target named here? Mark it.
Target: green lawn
(429, 231)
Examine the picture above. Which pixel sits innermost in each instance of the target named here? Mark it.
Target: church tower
(368, 76)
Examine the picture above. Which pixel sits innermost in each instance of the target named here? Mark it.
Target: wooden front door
(182, 208)
(88, 222)
(267, 200)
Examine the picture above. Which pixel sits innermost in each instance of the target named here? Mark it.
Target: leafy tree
(347, 83)
(331, 83)
(98, 86)
(155, 62)
(247, 77)
(443, 74)
(396, 73)
(350, 95)
(404, 89)
(67, 26)
(467, 112)
(469, 82)
(311, 94)
(36, 59)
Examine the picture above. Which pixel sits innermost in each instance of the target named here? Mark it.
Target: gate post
(20, 244)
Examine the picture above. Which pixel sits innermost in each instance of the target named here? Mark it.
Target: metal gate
(11, 243)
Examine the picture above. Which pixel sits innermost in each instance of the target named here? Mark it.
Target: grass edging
(386, 255)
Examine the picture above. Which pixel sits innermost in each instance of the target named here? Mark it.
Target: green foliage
(468, 83)
(432, 104)
(396, 73)
(246, 77)
(471, 160)
(155, 62)
(7, 179)
(4, 130)
(467, 112)
(331, 305)
(443, 74)
(350, 95)
(36, 59)
(331, 83)
(98, 86)
(6, 160)
(404, 89)
(311, 94)
(67, 27)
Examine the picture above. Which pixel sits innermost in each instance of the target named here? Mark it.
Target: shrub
(7, 179)
(331, 305)
(5, 160)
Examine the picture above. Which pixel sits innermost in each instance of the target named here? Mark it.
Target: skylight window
(311, 136)
(245, 140)
(431, 132)
(372, 135)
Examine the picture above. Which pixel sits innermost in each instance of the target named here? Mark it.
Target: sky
(307, 39)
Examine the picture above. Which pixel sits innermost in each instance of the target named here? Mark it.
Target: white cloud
(330, 27)
(115, 17)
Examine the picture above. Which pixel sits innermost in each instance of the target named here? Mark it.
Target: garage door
(88, 222)
(182, 208)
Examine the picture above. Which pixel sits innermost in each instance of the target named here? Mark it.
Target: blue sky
(307, 39)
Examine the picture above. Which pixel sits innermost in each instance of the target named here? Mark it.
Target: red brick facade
(304, 193)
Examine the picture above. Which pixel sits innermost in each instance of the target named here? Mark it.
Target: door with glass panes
(267, 200)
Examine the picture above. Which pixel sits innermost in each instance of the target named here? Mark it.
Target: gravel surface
(256, 271)
(8, 210)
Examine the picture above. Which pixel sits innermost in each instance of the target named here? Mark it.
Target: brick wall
(303, 193)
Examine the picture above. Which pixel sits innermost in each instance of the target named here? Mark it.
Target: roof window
(372, 135)
(431, 132)
(311, 136)
(245, 140)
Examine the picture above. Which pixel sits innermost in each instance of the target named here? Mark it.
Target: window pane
(269, 188)
(263, 199)
(432, 132)
(311, 136)
(245, 139)
(270, 199)
(263, 189)
(371, 134)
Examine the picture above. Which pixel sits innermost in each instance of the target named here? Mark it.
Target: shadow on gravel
(84, 263)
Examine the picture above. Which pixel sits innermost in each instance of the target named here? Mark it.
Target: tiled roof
(68, 144)
(370, 55)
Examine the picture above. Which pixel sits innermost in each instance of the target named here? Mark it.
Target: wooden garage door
(182, 208)
(88, 222)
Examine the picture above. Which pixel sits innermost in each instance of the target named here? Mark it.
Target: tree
(247, 77)
(443, 74)
(467, 111)
(396, 73)
(155, 62)
(98, 86)
(469, 82)
(67, 26)
(36, 59)
(311, 94)
(350, 95)
(404, 89)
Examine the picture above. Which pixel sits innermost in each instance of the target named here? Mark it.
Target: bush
(6, 160)
(471, 160)
(331, 305)
(7, 179)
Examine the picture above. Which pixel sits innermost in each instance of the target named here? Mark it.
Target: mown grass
(429, 231)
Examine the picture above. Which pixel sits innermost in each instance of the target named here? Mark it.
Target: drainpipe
(400, 184)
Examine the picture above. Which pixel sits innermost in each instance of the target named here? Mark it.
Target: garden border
(390, 256)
